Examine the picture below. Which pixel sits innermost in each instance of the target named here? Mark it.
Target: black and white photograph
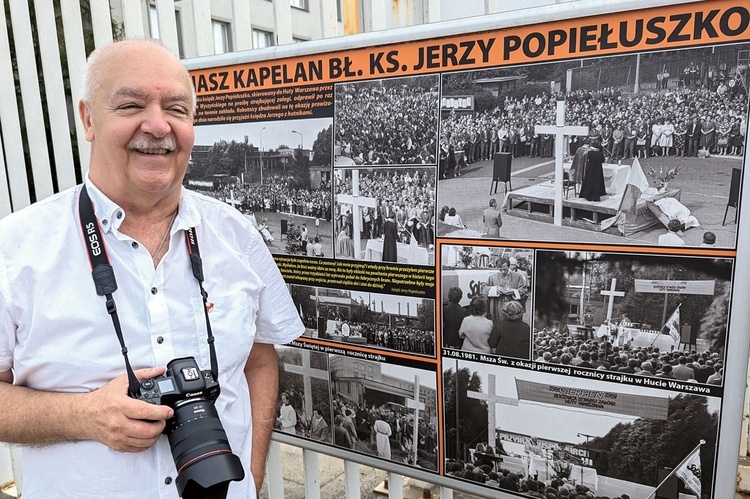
(304, 405)
(385, 410)
(650, 146)
(278, 173)
(485, 293)
(385, 214)
(648, 315)
(532, 433)
(387, 322)
(387, 122)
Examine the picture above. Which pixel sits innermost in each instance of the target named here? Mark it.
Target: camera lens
(200, 448)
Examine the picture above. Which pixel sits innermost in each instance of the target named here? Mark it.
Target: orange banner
(671, 27)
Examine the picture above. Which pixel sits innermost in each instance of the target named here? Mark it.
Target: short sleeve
(278, 321)
(7, 324)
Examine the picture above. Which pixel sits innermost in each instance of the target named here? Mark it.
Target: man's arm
(107, 415)
(262, 374)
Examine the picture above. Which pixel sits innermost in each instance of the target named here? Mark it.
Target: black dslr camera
(200, 448)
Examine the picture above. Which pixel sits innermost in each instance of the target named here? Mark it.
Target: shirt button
(104, 222)
(168, 480)
(160, 339)
(134, 245)
(154, 291)
(119, 215)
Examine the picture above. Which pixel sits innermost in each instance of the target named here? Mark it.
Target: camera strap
(106, 284)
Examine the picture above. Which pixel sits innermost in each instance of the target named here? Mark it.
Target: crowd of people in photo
(406, 197)
(402, 339)
(382, 430)
(504, 479)
(689, 120)
(275, 194)
(386, 125)
(493, 322)
(560, 347)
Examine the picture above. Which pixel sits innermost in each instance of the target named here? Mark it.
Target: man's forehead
(168, 95)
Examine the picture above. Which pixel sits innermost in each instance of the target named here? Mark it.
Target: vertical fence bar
(395, 486)
(57, 109)
(28, 76)
(351, 480)
(75, 50)
(132, 17)
(312, 474)
(274, 473)
(101, 23)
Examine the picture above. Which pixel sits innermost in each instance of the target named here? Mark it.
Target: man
(66, 397)
(453, 315)
(592, 183)
(492, 219)
(693, 137)
(287, 419)
(503, 286)
(672, 237)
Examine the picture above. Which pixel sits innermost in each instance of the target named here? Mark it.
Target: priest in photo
(592, 184)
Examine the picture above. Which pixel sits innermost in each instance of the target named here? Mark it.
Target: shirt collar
(111, 215)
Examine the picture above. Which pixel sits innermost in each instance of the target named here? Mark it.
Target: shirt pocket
(232, 319)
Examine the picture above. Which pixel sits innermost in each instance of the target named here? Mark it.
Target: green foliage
(473, 413)
(632, 451)
(322, 147)
(293, 239)
(426, 315)
(714, 323)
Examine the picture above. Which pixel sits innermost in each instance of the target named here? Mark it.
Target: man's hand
(106, 415)
(122, 423)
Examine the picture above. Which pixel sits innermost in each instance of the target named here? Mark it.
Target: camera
(200, 447)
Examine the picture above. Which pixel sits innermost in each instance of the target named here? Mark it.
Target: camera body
(182, 381)
(200, 447)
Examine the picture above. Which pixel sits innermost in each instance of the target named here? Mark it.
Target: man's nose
(155, 122)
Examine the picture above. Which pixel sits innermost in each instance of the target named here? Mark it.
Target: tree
(321, 148)
(472, 415)
(714, 323)
(631, 451)
(426, 315)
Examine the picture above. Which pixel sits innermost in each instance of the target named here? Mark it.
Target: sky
(390, 302)
(548, 421)
(276, 133)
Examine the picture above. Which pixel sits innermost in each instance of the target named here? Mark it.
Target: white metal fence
(42, 149)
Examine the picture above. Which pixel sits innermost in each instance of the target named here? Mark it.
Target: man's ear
(84, 112)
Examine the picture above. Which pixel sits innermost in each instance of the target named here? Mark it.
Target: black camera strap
(105, 283)
(197, 266)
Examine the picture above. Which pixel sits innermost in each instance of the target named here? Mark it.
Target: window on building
(262, 39)
(298, 40)
(153, 22)
(178, 25)
(300, 4)
(222, 37)
(338, 10)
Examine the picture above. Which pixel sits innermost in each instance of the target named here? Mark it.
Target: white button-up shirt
(56, 334)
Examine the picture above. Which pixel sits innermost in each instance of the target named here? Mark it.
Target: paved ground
(704, 184)
(332, 479)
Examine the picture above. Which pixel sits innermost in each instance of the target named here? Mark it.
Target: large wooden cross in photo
(492, 399)
(560, 130)
(358, 202)
(308, 373)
